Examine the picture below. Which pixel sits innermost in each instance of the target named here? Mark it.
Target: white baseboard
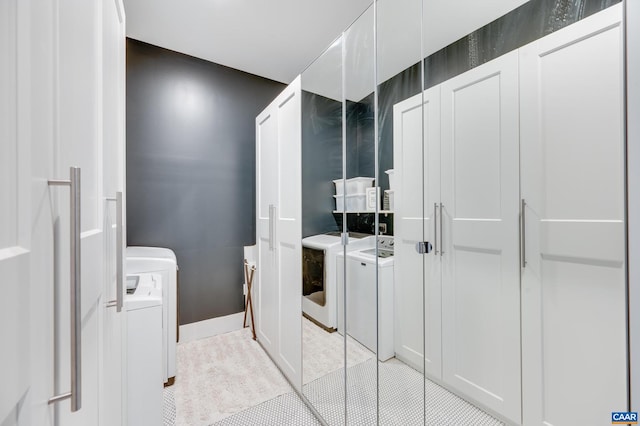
(211, 327)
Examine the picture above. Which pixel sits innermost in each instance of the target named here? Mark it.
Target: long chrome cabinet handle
(118, 302)
(76, 308)
(271, 214)
(523, 233)
(435, 228)
(441, 235)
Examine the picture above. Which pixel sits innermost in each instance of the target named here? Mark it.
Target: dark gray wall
(531, 21)
(191, 170)
(527, 23)
(321, 161)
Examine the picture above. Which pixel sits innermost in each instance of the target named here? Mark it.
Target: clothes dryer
(319, 290)
(162, 261)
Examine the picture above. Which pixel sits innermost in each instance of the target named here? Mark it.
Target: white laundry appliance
(144, 307)
(162, 261)
(363, 309)
(319, 290)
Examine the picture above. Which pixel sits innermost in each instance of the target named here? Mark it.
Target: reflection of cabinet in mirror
(279, 232)
(471, 140)
(471, 209)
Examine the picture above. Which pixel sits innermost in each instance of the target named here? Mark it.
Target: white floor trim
(211, 327)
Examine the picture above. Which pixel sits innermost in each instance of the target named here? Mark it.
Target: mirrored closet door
(358, 266)
(463, 216)
(400, 166)
(322, 198)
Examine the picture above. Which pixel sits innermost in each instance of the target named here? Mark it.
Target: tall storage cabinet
(574, 343)
(410, 227)
(470, 205)
(479, 239)
(525, 286)
(279, 231)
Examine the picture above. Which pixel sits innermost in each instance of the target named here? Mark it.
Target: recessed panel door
(417, 197)
(78, 78)
(289, 232)
(480, 237)
(113, 135)
(574, 322)
(15, 187)
(267, 187)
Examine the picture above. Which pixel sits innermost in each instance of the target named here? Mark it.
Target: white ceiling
(275, 39)
(278, 39)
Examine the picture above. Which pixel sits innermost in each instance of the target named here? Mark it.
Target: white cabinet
(470, 205)
(480, 235)
(279, 231)
(410, 227)
(542, 124)
(16, 252)
(112, 376)
(573, 318)
(53, 114)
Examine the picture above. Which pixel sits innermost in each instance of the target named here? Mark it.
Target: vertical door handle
(271, 220)
(523, 233)
(76, 308)
(441, 235)
(118, 302)
(435, 229)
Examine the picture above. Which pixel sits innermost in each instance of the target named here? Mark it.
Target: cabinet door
(15, 211)
(480, 238)
(574, 344)
(417, 196)
(79, 143)
(289, 232)
(267, 186)
(113, 135)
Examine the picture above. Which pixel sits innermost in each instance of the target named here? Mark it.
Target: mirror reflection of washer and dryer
(324, 289)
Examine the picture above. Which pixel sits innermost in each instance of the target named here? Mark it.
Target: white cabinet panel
(472, 129)
(78, 47)
(279, 232)
(8, 122)
(266, 172)
(289, 315)
(480, 284)
(267, 162)
(51, 118)
(574, 343)
(111, 377)
(289, 231)
(417, 194)
(15, 176)
(267, 296)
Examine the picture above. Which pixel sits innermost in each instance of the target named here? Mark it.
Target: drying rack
(248, 273)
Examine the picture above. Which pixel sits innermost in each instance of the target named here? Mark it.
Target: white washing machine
(362, 309)
(162, 261)
(319, 290)
(144, 307)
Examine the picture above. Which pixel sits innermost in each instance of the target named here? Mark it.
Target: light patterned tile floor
(287, 409)
(400, 394)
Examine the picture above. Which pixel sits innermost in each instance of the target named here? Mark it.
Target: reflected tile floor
(287, 409)
(323, 352)
(400, 396)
